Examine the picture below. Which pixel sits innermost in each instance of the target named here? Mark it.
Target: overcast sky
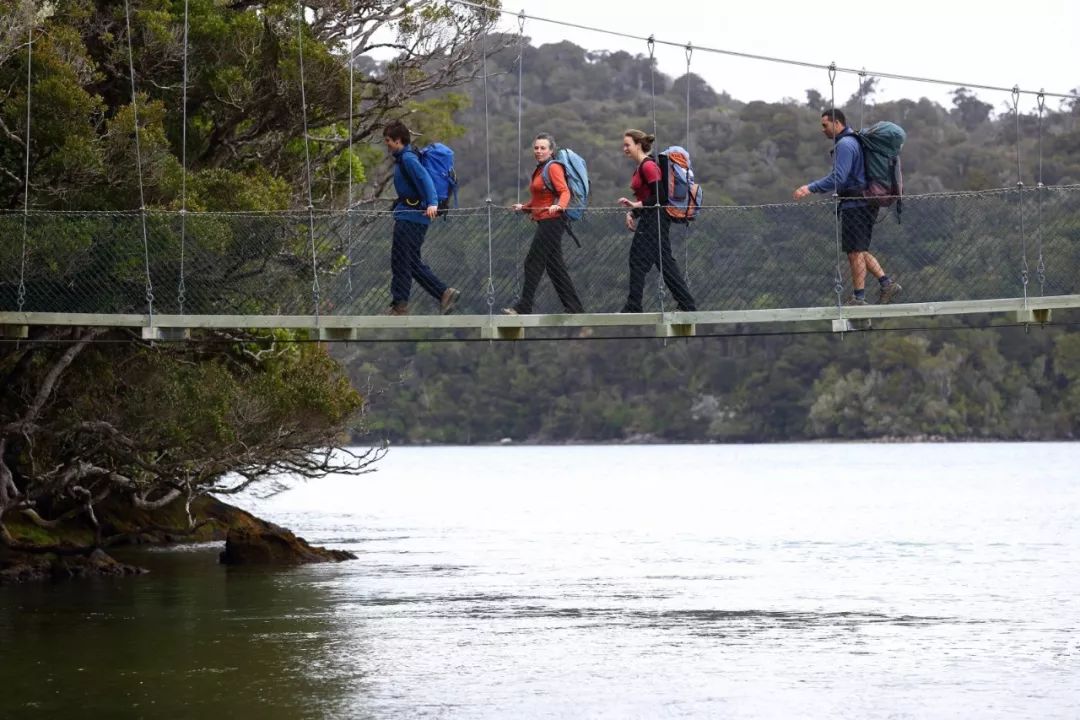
(1033, 44)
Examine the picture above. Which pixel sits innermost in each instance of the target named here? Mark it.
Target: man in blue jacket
(857, 216)
(416, 206)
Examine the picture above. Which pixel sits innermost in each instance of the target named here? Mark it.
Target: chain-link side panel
(960, 246)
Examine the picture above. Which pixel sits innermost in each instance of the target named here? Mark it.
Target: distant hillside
(744, 152)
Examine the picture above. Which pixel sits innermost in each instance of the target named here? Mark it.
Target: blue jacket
(848, 168)
(415, 191)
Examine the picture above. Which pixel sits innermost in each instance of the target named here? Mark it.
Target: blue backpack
(438, 160)
(577, 179)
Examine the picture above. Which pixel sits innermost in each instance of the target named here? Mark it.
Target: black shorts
(856, 227)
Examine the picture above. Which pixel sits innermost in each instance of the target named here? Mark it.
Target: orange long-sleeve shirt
(540, 198)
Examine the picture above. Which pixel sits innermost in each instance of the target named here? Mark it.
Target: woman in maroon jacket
(651, 226)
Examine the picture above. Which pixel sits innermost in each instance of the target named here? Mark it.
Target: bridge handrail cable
(769, 58)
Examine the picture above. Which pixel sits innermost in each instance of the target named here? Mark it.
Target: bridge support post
(335, 334)
(676, 330)
(1037, 315)
(166, 333)
(14, 332)
(498, 332)
(842, 325)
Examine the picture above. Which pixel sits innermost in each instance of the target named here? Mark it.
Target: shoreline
(70, 552)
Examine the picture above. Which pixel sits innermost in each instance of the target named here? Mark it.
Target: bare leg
(857, 261)
(873, 265)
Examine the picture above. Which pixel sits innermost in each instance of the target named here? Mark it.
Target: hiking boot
(888, 292)
(854, 301)
(449, 299)
(398, 308)
(510, 311)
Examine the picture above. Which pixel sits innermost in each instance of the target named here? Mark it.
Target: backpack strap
(569, 225)
(408, 175)
(859, 143)
(545, 176)
(644, 181)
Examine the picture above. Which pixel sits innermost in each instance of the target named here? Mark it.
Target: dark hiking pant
(406, 264)
(648, 250)
(546, 254)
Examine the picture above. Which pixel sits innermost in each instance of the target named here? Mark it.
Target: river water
(779, 581)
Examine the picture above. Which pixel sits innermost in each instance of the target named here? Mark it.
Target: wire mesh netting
(961, 246)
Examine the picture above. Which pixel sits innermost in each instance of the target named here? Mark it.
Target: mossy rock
(273, 545)
(22, 567)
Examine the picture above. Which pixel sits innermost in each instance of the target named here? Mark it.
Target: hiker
(546, 208)
(857, 215)
(651, 225)
(414, 209)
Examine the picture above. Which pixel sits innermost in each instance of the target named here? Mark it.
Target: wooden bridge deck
(512, 327)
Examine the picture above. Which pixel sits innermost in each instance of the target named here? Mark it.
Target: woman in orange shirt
(546, 206)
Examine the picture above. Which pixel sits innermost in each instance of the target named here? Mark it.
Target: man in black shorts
(857, 217)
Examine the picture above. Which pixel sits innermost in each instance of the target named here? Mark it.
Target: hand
(801, 192)
(555, 209)
(627, 202)
(631, 223)
(432, 211)
(518, 207)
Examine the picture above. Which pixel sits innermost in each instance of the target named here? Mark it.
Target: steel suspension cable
(26, 169)
(656, 190)
(349, 204)
(686, 239)
(487, 199)
(300, 21)
(138, 161)
(1020, 197)
(862, 100)
(838, 280)
(772, 59)
(521, 65)
(862, 110)
(181, 289)
(1040, 268)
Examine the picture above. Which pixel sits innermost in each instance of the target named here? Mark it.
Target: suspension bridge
(1013, 250)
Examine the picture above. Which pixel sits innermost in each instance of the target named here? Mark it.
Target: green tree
(82, 420)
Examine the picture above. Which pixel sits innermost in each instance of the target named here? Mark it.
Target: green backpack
(881, 144)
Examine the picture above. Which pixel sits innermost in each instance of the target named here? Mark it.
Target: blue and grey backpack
(577, 179)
